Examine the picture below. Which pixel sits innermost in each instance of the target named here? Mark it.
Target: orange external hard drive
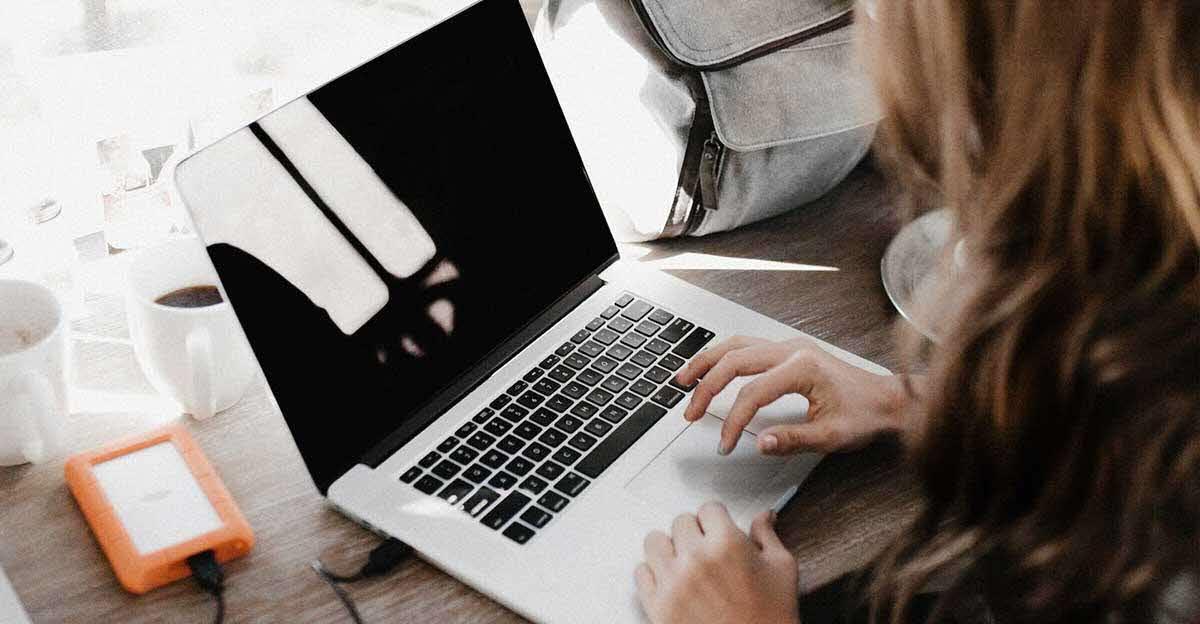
(153, 501)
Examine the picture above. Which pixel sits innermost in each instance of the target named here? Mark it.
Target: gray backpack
(699, 116)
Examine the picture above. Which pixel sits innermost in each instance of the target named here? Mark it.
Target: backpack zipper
(710, 171)
(841, 21)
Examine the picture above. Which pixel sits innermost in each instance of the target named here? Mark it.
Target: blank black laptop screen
(486, 219)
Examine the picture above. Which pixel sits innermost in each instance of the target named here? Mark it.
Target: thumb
(762, 532)
(788, 439)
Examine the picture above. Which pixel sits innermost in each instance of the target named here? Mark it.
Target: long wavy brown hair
(1060, 446)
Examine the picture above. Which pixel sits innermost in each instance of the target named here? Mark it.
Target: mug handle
(199, 351)
(36, 405)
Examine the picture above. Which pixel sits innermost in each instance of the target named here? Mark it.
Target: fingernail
(722, 449)
(769, 442)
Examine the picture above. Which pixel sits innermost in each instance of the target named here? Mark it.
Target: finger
(762, 532)
(685, 532)
(659, 552)
(781, 380)
(750, 360)
(647, 585)
(708, 358)
(812, 437)
(714, 519)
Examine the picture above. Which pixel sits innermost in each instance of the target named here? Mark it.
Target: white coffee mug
(33, 378)
(195, 355)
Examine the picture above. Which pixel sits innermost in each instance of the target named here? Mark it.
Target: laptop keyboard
(537, 446)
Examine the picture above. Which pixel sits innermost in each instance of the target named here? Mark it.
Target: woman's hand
(848, 406)
(709, 571)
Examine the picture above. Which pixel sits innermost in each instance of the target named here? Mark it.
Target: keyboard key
(605, 337)
(536, 452)
(604, 364)
(536, 517)
(619, 352)
(429, 460)
(688, 388)
(519, 466)
(676, 330)
(667, 397)
(505, 511)
(546, 386)
(447, 445)
(575, 390)
(534, 485)
(589, 377)
(637, 311)
(657, 374)
(528, 430)
(544, 417)
(552, 438)
(620, 325)
(671, 362)
(502, 481)
(598, 428)
(657, 346)
(622, 438)
(500, 401)
(646, 328)
(553, 502)
(633, 340)
(562, 374)
(629, 371)
(662, 317)
(568, 424)
(511, 444)
(643, 387)
(615, 384)
(466, 430)
(514, 413)
(591, 349)
(493, 459)
(531, 399)
(600, 397)
(693, 343)
(559, 403)
(477, 474)
(446, 469)
(625, 300)
(518, 533)
(644, 359)
(534, 375)
(561, 352)
(613, 414)
(629, 401)
(464, 455)
(610, 312)
(566, 455)
(582, 441)
(596, 323)
(552, 360)
(584, 410)
(428, 484)
(498, 427)
(480, 501)
(517, 388)
(577, 361)
(581, 336)
(410, 475)
(456, 492)
(572, 484)
(484, 415)
(550, 471)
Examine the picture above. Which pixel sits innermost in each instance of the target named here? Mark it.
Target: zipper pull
(710, 163)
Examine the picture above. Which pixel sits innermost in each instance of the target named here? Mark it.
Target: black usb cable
(211, 578)
(383, 559)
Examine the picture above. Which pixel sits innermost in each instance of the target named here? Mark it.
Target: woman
(1056, 431)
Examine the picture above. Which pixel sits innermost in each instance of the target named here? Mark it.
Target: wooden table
(848, 508)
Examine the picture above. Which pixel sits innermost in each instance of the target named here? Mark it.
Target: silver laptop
(427, 280)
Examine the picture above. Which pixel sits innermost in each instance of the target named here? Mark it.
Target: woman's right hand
(848, 406)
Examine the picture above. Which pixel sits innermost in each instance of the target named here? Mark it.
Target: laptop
(426, 278)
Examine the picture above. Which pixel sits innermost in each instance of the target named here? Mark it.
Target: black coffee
(191, 297)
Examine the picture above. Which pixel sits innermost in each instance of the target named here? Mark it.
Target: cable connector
(383, 559)
(211, 578)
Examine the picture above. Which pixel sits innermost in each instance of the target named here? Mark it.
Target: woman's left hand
(709, 571)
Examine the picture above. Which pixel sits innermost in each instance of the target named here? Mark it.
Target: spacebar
(611, 448)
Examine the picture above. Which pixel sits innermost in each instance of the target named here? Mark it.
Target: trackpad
(689, 473)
